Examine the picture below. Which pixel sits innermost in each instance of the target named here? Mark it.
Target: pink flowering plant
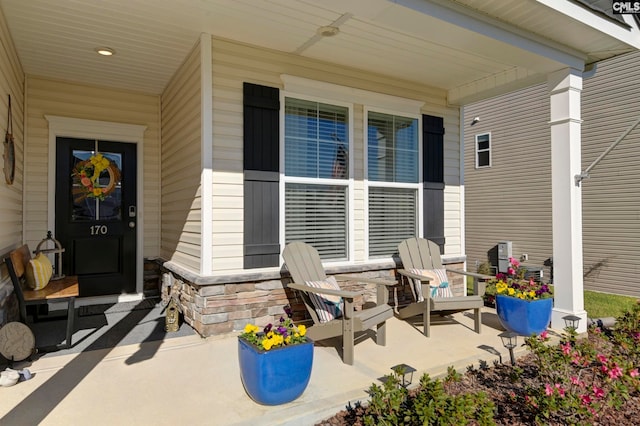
(513, 284)
(578, 378)
(283, 333)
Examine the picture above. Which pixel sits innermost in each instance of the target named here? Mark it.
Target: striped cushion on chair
(438, 283)
(328, 307)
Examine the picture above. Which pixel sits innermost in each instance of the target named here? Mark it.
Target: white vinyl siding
(234, 64)
(181, 166)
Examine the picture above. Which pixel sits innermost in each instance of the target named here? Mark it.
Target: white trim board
(352, 95)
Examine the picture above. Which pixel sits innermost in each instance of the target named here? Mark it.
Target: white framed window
(393, 170)
(318, 203)
(483, 150)
(317, 171)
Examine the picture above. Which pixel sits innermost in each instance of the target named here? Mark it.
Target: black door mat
(112, 308)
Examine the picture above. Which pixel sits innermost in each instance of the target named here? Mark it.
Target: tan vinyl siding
(511, 200)
(50, 97)
(181, 169)
(11, 83)
(517, 188)
(611, 197)
(234, 64)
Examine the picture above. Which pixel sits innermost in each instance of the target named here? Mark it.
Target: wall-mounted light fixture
(475, 120)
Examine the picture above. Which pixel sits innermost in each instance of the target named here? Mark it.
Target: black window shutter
(433, 177)
(261, 108)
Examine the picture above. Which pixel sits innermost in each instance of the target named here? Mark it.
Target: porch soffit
(468, 48)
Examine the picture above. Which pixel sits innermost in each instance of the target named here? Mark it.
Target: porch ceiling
(468, 48)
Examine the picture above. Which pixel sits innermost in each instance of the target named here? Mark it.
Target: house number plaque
(99, 229)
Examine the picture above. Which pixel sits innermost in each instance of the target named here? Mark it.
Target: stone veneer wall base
(220, 308)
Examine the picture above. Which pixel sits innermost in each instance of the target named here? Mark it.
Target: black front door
(96, 214)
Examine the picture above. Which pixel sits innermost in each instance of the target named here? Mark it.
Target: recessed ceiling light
(105, 51)
(328, 31)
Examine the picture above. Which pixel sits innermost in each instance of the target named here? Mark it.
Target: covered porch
(173, 89)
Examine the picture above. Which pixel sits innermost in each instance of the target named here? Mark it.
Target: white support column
(206, 149)
(564, 90)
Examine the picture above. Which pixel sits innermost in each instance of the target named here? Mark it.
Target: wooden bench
(64, 289)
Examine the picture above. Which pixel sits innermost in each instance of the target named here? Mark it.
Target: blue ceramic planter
(276, 376)
(524, 317)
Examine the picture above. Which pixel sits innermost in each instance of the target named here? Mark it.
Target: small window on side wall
(483, 150)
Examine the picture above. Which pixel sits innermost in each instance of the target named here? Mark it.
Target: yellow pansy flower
(250, 328)
(283, 333)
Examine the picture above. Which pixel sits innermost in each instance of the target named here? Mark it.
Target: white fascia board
(630, 36)
(491, 86)
(468, 19)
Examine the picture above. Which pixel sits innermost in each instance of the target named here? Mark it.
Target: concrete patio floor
(196, 381)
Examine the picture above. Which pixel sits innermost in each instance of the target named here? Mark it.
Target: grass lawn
(601, 305)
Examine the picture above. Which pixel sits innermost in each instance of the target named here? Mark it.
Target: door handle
(132, 224)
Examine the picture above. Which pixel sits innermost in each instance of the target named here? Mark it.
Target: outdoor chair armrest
(341, 293)
(470, 274)
(382, 292)
(479, 282)
(408, 274)
(377, 281)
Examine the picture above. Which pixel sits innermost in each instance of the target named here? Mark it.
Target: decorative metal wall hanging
(9, 150)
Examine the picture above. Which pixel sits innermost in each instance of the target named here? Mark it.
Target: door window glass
(96, 186)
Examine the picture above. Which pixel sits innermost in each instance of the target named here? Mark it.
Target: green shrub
(429, 404)
(485, 268)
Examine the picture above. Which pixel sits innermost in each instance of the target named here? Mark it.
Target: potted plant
(275, 362)
(523, 306)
